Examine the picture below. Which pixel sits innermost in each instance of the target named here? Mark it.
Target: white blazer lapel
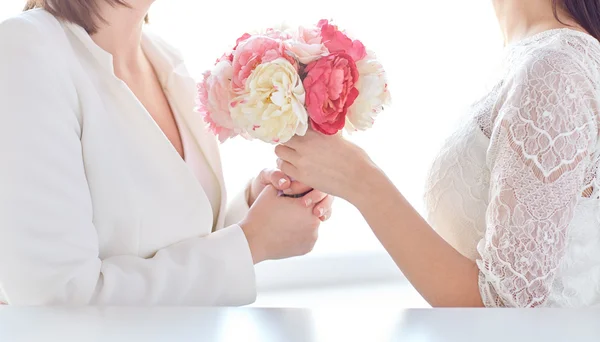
(165, 62)
(181, 88)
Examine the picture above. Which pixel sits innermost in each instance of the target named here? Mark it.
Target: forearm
(441, 274)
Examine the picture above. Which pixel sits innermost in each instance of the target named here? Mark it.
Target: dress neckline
(552, 32)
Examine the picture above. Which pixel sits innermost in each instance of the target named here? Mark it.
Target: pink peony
(242, 39)
(308, 46)
(337, 41)
(252, 52)
(278, 33)
(330, 91)
(214, 95)
(229, 55)
(309, 35)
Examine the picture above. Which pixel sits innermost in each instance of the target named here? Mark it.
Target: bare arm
(542, 146)
(442, 276)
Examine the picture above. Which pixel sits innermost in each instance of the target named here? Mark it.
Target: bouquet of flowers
(276, 83)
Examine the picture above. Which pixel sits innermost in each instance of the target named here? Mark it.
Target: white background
(439, 55)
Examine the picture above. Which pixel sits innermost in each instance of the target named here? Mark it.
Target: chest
(148, 90)
(457, 186)
(463, 156)
(144, 195)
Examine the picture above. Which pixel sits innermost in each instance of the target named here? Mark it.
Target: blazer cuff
(240, 287)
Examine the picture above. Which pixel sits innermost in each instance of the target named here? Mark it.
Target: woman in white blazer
(111, 189)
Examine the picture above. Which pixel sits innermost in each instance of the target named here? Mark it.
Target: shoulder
(34, 35)
(559, 55)
(562, 70)
(554, 85)
(36, 25)
(33, 64)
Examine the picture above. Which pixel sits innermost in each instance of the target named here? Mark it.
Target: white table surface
(291, 325)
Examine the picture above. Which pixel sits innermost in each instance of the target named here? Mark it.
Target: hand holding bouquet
(273, 85)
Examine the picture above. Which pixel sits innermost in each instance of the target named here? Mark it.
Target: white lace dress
(516, 188)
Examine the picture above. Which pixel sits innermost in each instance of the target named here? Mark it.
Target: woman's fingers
(313, 198)
(277, 178)
(286, 153)
(267, 177)
(292, 143)
(287, 168)
(297, 188)
(324, 207)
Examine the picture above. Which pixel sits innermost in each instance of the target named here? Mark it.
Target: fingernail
(282, 181)
(287, 191)
(308, 202)
(321, 212)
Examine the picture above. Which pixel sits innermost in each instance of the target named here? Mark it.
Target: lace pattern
(541, 160)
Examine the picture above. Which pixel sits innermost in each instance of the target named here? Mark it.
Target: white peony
(373, 94)
(271, 107)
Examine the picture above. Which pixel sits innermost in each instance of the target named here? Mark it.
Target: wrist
(373, 183)
(256, 249)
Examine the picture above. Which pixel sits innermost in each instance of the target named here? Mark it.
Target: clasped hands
(279, 227)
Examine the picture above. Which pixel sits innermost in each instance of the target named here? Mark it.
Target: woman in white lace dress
(513, 196)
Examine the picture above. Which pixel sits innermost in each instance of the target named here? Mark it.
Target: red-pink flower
(330, 90)
(254, 51)
(337, 41)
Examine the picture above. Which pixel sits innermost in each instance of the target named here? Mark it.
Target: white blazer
(96, 206)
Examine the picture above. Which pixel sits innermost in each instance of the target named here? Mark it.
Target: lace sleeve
(542, 141)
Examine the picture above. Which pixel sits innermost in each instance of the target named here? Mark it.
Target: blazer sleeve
(49, 250)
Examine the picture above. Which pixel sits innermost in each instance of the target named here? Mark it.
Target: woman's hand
(278, 227)
(320, 201)
(328, 163)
